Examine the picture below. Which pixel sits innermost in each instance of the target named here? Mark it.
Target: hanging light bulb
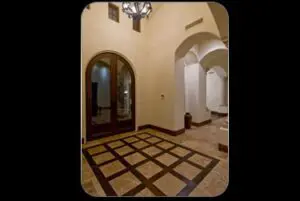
(137, 10)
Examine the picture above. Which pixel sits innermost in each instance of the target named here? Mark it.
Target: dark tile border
(164, 130)
(148, 183)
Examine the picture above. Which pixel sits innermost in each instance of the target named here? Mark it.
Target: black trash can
(187, 120)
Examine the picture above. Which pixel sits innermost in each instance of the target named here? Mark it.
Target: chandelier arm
(144, 6)
(138, 14)
(130, 9)
(136, 5)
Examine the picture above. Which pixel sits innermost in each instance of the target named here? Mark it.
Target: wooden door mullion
(114, 92)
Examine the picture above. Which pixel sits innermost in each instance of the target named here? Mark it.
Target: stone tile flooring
(151, 163)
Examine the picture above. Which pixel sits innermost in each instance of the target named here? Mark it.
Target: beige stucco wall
(166, 31)
(151, 53)
(98, 34)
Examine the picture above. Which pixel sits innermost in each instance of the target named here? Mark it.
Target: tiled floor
(151, 163)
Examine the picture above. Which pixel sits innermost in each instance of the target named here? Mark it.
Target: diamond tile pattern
(124, 183)
(149, 169)
(97, 149)
(144, 135)
(145, 193)
(180, 151)
(115, 144)
(131, 139)
(124, 150)
(140, 144)
(167, 159)
(112, 168)
(153, 140)
(165, 145)
(151, 151)
(101, 158)
(187, 170)
(200, 160)
(123, 161)
(134, 158)
(169, 184)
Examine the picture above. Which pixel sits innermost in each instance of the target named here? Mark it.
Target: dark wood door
(110, 96)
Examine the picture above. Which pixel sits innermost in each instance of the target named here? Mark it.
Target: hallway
(142, 163)
(135, 77)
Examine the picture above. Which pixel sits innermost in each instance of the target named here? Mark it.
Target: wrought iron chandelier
(137, 10)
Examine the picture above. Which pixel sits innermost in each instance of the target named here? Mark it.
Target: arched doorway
(200, 44)
(110, 96)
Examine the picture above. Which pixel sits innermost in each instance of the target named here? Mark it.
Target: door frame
(88, 82)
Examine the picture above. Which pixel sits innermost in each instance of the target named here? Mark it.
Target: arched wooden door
(110, 103)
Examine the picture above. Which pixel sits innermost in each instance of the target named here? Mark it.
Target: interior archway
(204, 44)
(190, 58)
(217, 57)
(110, 95)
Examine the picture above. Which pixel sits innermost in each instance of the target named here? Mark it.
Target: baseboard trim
(202, 123)
(219, 114)
(144, 127)
(167, 131)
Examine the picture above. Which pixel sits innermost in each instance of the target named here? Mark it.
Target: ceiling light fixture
(137, 10)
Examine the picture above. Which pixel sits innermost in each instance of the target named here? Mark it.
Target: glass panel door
(101, 96)
(110, 96)
(124, 96)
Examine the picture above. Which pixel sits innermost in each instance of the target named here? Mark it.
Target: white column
(186, 89)
(179, 98)
(204, 113)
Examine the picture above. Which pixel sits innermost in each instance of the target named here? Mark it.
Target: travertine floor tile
(87, 174)
(140, 144)
(124, 183)
(134, 158)
(103, 157)
(180, 151)
(143, 136)
(165, 145)
(97, 149)
(89, 188)
(203, 139)
(145, 193)
(98, 187)
(200, 160)
(187, 170)
(131, 139)
(115, 144)
(149, 169)
(200, 192)
(169, 184)
(124, 150)
(151, 151)
(167, 159)
(212, 184)
(112, 168)
(153, 140)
